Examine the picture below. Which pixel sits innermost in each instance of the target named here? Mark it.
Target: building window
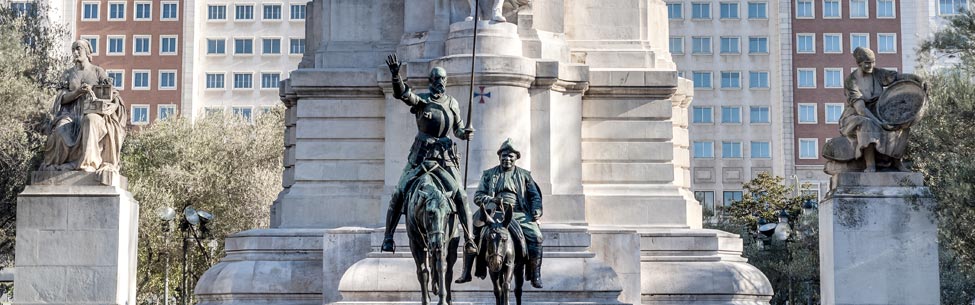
(758, 45)
(270, 80)
(885, 9)
(170, 11)
(243, 46)
(758, 114)
(116, 45)
(89, 11)
(808, 148)
(730, 115)
(858, 9)
(700, 45)
(216, 46)
(214, 80)
(730, 79)
(244, 12)
(831, 9)
(140, 79)
(93, 41)
(804, 9)
(140, 114)
(298, 12)
(116, 11)
(700, 10)
(833, 113)
(706, 198)
(675, 11)
(758, 80)
(887, 43)
(859, 40)
(833, 78)
(807, 113)
(140, 45)
(676, 45)
(945, 7)
(167, 45)
(118, 78)
(703, 149)
(702, 79)
(805, 43)
(757, 10)
(729, 10)
(217, 12)
(272, 12)
(167, 80)
(730, 149)
(245, 113)
(702, 115)
(166, 111)
(832, 43)
(761, 150)
(271, 45)
(730, 45)
(297, 46)
(731, 197)
(807, 78)
(243, 81)
(143, 11)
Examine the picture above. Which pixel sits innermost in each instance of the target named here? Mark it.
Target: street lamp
(782, 229)
(166, 214)
(192, 218)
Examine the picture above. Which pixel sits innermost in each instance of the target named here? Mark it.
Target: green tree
(224, 165)
(942, 149)
(792, 265)
(955, 41)
(28, 56)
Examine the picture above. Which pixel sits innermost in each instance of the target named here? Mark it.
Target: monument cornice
(648, 92)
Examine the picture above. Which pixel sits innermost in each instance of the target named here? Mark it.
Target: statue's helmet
(862, 54)
(508, 146)
(438, 72)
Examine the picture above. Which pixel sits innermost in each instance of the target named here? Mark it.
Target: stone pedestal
(266, 266)
(77, 234)
(878, 240)
(572, 274)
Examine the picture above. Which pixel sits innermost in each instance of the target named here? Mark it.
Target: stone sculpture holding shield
(881, 106)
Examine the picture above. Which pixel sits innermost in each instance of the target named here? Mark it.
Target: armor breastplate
(434, 120)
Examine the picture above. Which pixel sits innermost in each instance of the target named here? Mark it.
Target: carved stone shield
(901, 103)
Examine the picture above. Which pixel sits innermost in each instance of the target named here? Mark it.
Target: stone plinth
(572, 274)
(266, 266)
(76, 240)
(878, 240)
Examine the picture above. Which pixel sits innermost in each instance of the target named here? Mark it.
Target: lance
(470, 100)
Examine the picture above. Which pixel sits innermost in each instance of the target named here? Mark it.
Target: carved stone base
(570, 272)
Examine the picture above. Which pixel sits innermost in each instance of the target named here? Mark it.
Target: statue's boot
(536, 269)
(470, 246)
(392, 220)
(465, 276)
(497, 14)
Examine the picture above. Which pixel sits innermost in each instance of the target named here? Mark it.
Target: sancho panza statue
(437, 114)
(881, 106)
(89, 119)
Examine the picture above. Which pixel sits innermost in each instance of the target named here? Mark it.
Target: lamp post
(192, 218)
(166, 214)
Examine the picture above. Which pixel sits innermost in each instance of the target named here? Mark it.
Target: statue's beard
(437, 89)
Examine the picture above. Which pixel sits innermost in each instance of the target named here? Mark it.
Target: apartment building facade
(176, 57)
(805, 46)
(731, 50)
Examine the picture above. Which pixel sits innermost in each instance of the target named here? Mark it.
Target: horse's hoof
(388, 246)
(463, 279)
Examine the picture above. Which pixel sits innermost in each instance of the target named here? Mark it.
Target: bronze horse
(505, 256)
(432, 229)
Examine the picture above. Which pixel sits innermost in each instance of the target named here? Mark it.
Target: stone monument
(588, 89)
(878, 233)
(77, 226)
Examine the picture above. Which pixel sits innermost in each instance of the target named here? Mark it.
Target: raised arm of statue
(400, 89)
